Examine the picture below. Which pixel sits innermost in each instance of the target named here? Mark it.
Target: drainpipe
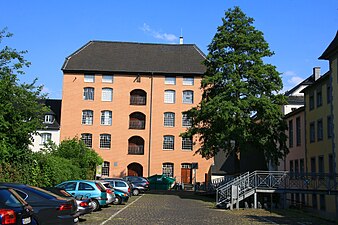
(150, 120)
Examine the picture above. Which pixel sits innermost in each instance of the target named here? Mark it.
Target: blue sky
(298, 31)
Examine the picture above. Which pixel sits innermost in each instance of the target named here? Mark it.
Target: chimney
(316, 72)
(181, 40)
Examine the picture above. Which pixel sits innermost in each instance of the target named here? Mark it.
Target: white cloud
(295, 80)
(289, 73)
(158, 35)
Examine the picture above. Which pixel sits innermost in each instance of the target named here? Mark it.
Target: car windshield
(8, 199)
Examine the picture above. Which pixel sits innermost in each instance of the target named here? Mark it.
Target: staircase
(248, 184)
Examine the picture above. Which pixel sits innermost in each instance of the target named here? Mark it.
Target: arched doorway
(135, 169)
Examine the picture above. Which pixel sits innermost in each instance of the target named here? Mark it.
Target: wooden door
(186, 175)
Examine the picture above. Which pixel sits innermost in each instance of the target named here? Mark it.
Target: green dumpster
(160, 182)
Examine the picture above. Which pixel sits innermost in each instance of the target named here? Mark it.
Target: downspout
(150, 120)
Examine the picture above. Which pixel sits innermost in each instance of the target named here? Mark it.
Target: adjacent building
(51, 123)
(127, 101)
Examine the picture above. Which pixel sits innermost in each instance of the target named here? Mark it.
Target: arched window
(87, 117)
(168, 169)
(137, 120)
(87, 139)
(188, 97)
(107, 94)
(105, 140)
(105, 168)
(106, 117)
(135, 146)
(169, 96)
(138, 97)
(168, 142)
(88, 93)
(169, 119)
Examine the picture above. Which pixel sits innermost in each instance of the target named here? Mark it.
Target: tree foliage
(21, 113)
(241, 102)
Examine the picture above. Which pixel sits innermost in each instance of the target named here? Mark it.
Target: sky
(298, 31)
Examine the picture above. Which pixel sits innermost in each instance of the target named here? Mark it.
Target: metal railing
(136, 150)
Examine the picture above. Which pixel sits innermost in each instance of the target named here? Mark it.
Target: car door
(121, 185)
(87, 190)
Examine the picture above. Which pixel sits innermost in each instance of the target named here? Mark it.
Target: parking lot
(178, 207)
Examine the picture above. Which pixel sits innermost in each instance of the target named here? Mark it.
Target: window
(328, 93)
(322, 202)
(321, 165)
(136, 145)
(312, 132)
(298, 132)
(296, 167)
(45, 137)
(49, 119)
(313, 166)
(319, 130)
(107, 94)
(319, 98)
(106, 117)
(314, 201)
(329, 127)
(186, 120)
(85, 187)
(169, 119)
(290, 133)
(138, 97)
(169, 96)
(87, 117)
(301, 166)
(89, 78)
(188, 81)
(168, 169)
(168, 142)
(331, 171)
(187, 143)
(107, 79)
(291, 168)
(188, 97)
(87, 139)
(105, 168)
(311, 102)
(88, 93)
(105, 140)
(170, 80)
(137, 120)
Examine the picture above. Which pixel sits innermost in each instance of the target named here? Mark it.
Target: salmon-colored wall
(117, 155)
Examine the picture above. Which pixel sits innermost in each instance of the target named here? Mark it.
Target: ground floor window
(105, 168)
(168, 169)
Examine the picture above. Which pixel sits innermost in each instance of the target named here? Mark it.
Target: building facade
(127, 102)
(51, 122)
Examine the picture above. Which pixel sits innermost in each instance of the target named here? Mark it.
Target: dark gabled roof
(331, 49)
(307, 81)
(320, 79)
(55, 109)
(128, 57)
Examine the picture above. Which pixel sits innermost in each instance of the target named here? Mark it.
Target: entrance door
(135, 169)
(186, 173)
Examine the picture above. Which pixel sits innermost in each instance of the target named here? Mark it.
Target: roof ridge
(141, 43)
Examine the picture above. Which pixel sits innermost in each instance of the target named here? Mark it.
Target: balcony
(138, 97)
(137, 120)
(136, 150)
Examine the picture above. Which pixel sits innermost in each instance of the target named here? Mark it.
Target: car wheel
(136, 192)
(117, 200)
(95, 204)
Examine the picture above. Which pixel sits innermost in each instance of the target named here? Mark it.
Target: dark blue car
(13, 209)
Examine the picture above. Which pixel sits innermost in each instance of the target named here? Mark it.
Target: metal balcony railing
(138, 100)
(137, 124)
(136, 150)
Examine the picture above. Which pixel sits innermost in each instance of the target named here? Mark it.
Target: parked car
(140, 184)
(13, 209)
(49, 209)
(109, 190)
(87, 189)
(120, 197)
(84, 205)
(121, 184)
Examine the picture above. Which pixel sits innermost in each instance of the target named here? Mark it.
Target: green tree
(20, 114)
(79, 154)
(241, 103)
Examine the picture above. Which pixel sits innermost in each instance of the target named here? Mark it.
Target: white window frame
(186, 121)
(170, 80)
(189, 81)
(187, 143)
(106, 117)
(168, 142)
(87, 117)
(105, 141)
(188, 97)
(45, 137)
(169, 119)
(168, 169)
(88, 93)
(169, 96)
(107, 94)
(107, 78)
(87, 138)
(49, 119)
(105, 168)
(89, 78)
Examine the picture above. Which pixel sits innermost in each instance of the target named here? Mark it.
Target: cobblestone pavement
(178, 207)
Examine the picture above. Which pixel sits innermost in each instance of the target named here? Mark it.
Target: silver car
(109, 191)
(120, 184)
